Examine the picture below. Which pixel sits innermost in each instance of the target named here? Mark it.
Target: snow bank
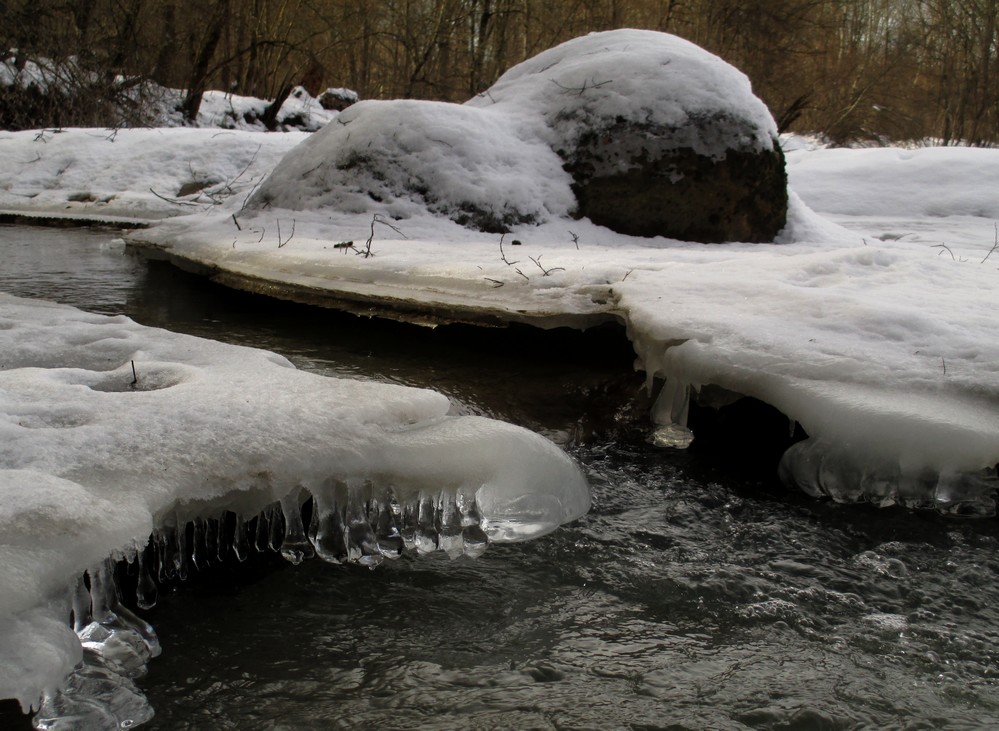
(928, 181)
(133, 173)
(96, 457)
(299, 112)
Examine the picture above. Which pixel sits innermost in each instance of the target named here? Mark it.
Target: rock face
(630, 178)
(661, 138)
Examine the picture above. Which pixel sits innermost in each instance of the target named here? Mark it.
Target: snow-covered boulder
(338, 98)
(660, 136)
(642, 132)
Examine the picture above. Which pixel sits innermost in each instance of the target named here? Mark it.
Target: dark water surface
(691, 597)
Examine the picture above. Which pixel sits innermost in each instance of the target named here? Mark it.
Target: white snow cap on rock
(635, 76)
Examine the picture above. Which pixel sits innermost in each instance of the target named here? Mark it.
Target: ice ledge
(112, 431)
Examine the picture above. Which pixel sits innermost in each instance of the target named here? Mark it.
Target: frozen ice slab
(111, 432)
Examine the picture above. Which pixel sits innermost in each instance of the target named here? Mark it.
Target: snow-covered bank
(96, 456)
(134, 174)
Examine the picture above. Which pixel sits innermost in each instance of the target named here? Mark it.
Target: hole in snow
(143, 377)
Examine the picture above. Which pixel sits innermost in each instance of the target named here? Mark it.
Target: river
(694, 595)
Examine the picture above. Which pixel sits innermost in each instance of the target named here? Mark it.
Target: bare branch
(545, 272)
(290, 237)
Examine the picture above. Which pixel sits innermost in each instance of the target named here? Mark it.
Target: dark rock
(633, 179)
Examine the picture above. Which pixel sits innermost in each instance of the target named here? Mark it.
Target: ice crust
(96, 458)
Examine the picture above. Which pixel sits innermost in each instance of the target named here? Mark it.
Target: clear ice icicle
(449, 527)
(295, 545)
(146, 591)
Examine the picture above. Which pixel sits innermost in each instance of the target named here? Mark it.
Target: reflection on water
(688, 598)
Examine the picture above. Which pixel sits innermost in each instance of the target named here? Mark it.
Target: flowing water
(693, 596)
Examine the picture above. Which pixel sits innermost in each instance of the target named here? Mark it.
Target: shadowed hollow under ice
(114, 432)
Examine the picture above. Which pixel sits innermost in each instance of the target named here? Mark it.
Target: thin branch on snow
(290, 236)
(994, 246)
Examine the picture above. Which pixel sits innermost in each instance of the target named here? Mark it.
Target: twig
(238, 227)
(496, 282)
(944, 364)
(522, 274)
(135, 377)
(587, 84)
(995, 245)
(503, 255)
(943, 248)
(290, 237)
(376, 218)
(247, 198)
(575, 239)
(173, 200)
(545, 272)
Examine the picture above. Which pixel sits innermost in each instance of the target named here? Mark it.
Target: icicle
(224, 537)
(426, 529)
(328, 531)
(362, 546)
(198, 551)
(167, 554)
(673, 403)
(474, 539)
(449, 525)
(102, 592)
(389, 541)
(183, 555)
(261, 529)
(240, 539)
(211, 540)
(275, 534)
(409, 523)
(295, 545)
(81, 606)
(146, 591)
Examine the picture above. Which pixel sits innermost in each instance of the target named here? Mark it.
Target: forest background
(882, 70)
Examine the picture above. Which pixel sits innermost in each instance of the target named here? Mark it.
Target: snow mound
(401, 157)
(112, 431)
(631, 76)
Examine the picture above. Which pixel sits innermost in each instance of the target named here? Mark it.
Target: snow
(636, 76)
(404, 156)
(870, 321)
(95, 458)
(128, 173)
